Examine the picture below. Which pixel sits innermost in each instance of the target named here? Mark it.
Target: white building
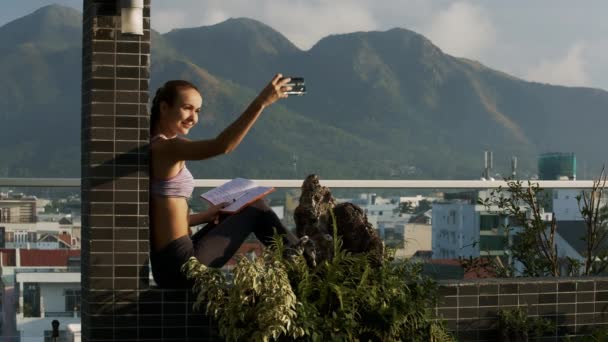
(41, 235)
(74, 332)
(383, 214)
(39, 286)
(46, 295)
(571, 227)
(469, 230)
(414, 200)
(565, 206)
(456, 230)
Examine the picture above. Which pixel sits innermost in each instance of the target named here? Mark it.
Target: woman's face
(183, 115)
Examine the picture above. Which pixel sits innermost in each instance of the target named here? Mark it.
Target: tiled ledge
(152, 315)
(469, 307)
(576, 305)
(177, 321)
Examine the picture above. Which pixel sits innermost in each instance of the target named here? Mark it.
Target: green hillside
(380, 104)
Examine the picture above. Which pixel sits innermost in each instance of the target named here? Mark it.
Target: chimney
(486, 165)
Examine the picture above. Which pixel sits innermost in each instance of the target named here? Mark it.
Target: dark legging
(213, 245)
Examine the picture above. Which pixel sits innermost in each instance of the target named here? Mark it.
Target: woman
(175, 110)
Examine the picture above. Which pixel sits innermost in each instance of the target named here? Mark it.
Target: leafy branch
(595, 215)
(534, 239)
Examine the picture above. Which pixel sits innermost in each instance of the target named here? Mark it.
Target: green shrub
(342, 299)
(516, 325)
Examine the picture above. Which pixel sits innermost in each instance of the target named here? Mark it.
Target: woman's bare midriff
(168, 220)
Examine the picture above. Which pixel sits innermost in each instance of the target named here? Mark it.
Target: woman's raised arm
(231, 136)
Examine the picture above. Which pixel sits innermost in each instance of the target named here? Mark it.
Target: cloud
(214, 16)
(568, 70)
(463, 30)
(303, 22)
(309, 21)
(165, 20)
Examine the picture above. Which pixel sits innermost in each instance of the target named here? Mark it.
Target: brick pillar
(114, 173)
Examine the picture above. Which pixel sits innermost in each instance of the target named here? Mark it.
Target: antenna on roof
(488, 164)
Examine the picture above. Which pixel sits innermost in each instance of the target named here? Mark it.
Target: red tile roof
(8, 257)
(67, 238)
(47, 257)
(471, 274)
(39, 257)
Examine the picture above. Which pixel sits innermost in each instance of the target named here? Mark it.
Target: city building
(571, 226)
(413, 200)
(17, 208)
(46, 295)
(556, 166)
(565, 205)
(468, 230)
(462, 229)
(416, 237)
(456, 230)
(40, 286)
(62, 234)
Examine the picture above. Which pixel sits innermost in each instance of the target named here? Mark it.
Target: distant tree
(534, 240)
(423, 206)
(534, 245)
(405, 208)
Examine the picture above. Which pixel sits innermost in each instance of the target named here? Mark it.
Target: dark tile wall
(114, 173)
(577, 306)
(118, 303)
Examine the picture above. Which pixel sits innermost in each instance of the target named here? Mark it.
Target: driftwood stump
(313, 219)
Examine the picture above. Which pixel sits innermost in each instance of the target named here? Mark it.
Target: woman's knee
(260, 204)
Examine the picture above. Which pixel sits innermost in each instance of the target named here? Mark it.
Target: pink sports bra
(180, 185)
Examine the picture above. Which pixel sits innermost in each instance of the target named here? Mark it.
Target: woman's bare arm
(231, 136)
(206, 216)
(199, 218)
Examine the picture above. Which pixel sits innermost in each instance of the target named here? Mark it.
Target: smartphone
(298, 86)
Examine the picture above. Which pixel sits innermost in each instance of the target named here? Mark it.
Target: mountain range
(380, 105)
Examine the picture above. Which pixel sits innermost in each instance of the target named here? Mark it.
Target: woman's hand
(213, 213)
(273, 91)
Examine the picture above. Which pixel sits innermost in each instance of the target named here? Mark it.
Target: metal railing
(61, 314)
(331, 183)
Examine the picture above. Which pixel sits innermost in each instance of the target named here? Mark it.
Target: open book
(239, 192)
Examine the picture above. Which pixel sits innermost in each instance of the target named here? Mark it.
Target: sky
(551, 41)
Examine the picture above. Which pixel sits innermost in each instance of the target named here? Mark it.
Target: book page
(247, 197)
(229, 191)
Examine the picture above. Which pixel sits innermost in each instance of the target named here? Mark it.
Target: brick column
(115, 125)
